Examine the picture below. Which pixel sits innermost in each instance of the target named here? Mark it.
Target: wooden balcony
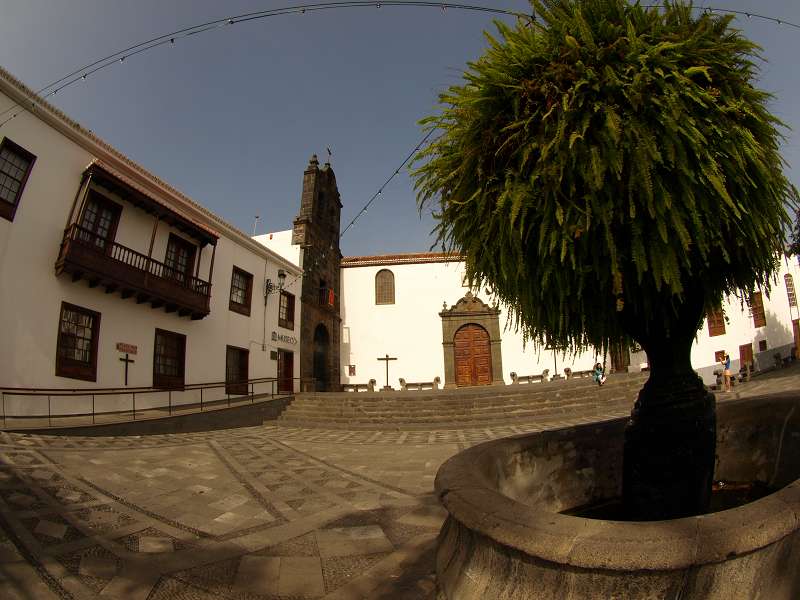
(84, 255)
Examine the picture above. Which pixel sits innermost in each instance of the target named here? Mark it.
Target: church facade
(413, 316)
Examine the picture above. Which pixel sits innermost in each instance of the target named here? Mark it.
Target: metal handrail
(122, 390)
(132, 258)
(204, 402)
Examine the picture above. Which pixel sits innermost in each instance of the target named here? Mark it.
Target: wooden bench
(524, 379)
(359, 387)
(406, 386)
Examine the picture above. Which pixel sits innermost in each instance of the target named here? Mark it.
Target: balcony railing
(84, 254)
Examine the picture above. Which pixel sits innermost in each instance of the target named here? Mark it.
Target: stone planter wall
(505, 539)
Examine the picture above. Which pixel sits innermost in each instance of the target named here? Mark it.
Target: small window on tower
(762, 345)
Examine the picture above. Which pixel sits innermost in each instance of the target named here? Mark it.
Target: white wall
(411, 329)
(280, 242)
(739, 329)
(31, 294)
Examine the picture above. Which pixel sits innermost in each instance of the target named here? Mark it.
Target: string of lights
(170, 38)
(119, 57)
(316, 260)
(85, 71)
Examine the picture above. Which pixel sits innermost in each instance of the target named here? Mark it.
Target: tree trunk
(670, 441)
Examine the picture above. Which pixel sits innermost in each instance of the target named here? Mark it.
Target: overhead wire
(119, 56)
(85, 71)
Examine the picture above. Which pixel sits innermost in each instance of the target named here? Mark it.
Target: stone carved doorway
(473, 356)
(471, 343)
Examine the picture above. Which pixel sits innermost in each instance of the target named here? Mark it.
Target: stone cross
(387, 358)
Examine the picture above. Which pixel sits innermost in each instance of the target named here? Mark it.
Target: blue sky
(231, 117)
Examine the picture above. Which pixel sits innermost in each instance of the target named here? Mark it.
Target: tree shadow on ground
(414, 579)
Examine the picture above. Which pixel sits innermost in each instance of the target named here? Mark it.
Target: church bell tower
(316, 231)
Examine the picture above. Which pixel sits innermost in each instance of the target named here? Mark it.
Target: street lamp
(270, 287)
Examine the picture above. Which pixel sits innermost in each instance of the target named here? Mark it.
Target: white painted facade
(411, 328)
(31, 294)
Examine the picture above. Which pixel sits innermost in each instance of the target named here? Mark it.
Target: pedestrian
(598, 375)
(726, 374)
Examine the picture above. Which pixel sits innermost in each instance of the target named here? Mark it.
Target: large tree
(611, 171)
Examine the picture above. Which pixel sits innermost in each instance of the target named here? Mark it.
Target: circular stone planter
(505, 538)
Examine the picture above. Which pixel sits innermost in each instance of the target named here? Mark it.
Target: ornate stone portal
(473, 312)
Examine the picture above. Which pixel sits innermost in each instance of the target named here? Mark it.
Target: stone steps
(474, 408)
(490, 397)
(622, 409)
(441, 416)
(336, 411)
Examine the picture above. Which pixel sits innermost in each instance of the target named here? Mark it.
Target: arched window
(790, 289)
(384, 287)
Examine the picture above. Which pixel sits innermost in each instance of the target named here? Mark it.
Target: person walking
(726, 374)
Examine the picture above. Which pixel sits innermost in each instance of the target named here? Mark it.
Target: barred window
(169, 359)
(241, 291)
(15, 167)
(286, 310)
(76, 354)
(757, 310)
(716, 322)
(384, 287)
(789, 281)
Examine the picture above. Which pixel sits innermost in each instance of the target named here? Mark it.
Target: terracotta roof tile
(409, 258)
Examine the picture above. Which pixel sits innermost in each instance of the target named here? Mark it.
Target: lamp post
(270, 287)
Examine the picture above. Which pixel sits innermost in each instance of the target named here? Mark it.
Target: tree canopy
(601, 160)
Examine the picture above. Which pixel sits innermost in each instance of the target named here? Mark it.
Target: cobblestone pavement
(256, 513)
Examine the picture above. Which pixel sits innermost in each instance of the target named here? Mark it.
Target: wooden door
(473, 356)
(796, 328)
(99, 222)
(285, 371)
(746, 355)
(236, 371)
(179, 260)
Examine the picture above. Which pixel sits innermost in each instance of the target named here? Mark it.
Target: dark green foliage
(602, 160)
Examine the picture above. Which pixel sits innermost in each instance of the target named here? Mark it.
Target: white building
(399, 304)
(101, 261)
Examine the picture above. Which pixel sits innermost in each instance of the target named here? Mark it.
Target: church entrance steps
(510, 408)
(465, 408)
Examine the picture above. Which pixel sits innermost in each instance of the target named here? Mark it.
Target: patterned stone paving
(267, 512)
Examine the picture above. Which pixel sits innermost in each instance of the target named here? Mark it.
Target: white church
(111, 279)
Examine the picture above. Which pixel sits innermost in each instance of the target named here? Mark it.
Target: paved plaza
(267, 512)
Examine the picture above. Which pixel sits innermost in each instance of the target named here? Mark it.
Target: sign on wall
(126, 348)
(286, 339)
